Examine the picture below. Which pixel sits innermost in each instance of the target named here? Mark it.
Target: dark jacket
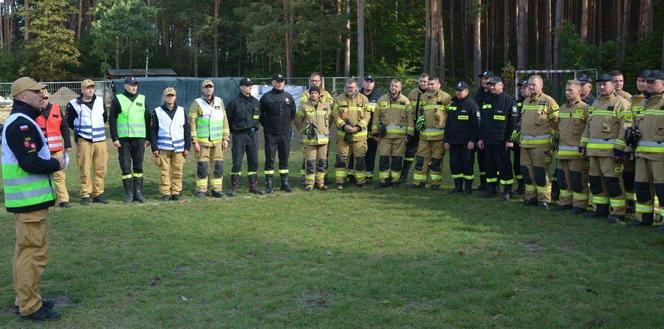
(373, 98)
(462, 125)
(481, 96)
(243, 113)
(154, 127)
(25, 144)
(72, 115)
(277, 112)
(64, 130)
(496, 120)
(116, 110)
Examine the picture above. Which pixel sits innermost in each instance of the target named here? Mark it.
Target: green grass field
(361, 258)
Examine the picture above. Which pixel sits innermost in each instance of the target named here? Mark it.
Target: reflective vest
(23, 189)
(131, 120)
(210, 124)
(171, 131)
(51, 128)
(89, 123)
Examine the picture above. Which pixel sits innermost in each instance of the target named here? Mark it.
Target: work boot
(235, 185)
(200, 195)
(482, 185)
(507, 192)
(601, 211)
(284, 183)
(415, 185)
(100, 199)
(217, 194)
(128, 185)
(42, 314)
(468, 187)
(253, 182)
(544, 205)
(175, 197)
(520, 187)
(614, 219)
(351, 179)
(85, 201)
(64, 205)
(458, 186)
(383, 184)
(489, 191)
(268, 184)
(165, 198)
(138, 189)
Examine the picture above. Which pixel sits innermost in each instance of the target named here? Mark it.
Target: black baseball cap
(314, 88)
(521, 82)
(583, 79)
(605, 77)
(495, 79)
(461, 85)
(486, 74)
(656, 75)
(369, 78)
(246, 82)
(644, 74)
(130, 81)
(278, 77)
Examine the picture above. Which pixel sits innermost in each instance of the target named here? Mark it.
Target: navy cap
(130, 81)
(461, 85)
(314, 88)
(495, 79)
(246, 82)
(605, 77)
(278, 77)
(369, 78)
(583, 79)
(486, 74)
(644, 74)
(521, 82)
(656, 75)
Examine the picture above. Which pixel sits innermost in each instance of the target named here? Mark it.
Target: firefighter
(315, 79)
(369, 90)
(351, 117)
(586, 89)
(393, 122)
(539, 119)
(461, 134)
(210, 136)
(170, 140)
(129, 123)
(431, 125)
(414, 96)
(26, 167)
(618, 83)
(277, 113)
(648, 123)
(54, 127)
(480, 97)
(571, 168)
(496, 126)
(313, 119)
(86, 116)
(243, 118)
(605, 147)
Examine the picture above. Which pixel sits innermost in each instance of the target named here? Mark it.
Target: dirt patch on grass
(317, 298)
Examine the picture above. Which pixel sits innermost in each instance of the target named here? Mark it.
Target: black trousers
(480, 162)
(370, 157)
(273, 144)
(244, 142)
(130, 155)
(516, 161)
(497, 161)
(411, 149)
(461, 161)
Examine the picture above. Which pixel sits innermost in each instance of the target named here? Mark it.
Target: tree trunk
(427, 36)
(441, 45)
(288, 38)
(645, 19)
(215, 51)
(625, 27)
(339, 38)
(321, 16)
(536, 16)
(477, 42)
(452, 48)
(26, 33)
(522, 35)
(434, 33)
(547, 34)
(347, 48)
(661, 65)
(464, 41)
(506, 31)
(556, 46)
(80, 20)
(360, 38)
(131, 55)
(584, 20)
(117, 52)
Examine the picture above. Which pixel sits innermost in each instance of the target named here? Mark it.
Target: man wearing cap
(313, 119)
(369, 90)
(27, 166)
(87, 116)
(480, 97)
(650, 153)
(277, 112)
(243, 118)
(539, 119)
(351, 116)
(571, 168)
(461, 134)
(210, 136)
(393, 121)
(605, 147)
(618, 83)
(54, 127)
(170, 140)
(586, 89)
(496, 126)
(129, 124)
(414, 95)
(431, 125)
(524, 92)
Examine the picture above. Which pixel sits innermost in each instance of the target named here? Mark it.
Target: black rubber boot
(253, 185)
(489, 191)
(235, 185)
(138, 190)
(458, 186)
(482, 185)
(507, 192)
(268, 184)
(128, 185)
(284, 183)
(468, 187)
(601, 211)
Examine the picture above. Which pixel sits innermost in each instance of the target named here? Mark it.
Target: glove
(618, 153)
(420, 123)
(582, 150)
(516, 136)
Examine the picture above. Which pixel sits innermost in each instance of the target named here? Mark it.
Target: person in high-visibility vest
(210, 136)
(27, 166)
(54, 127)
(128, 122)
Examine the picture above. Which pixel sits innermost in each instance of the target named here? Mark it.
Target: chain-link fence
(335, 85)
(64, 91)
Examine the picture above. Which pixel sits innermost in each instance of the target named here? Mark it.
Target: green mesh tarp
(187, 89)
